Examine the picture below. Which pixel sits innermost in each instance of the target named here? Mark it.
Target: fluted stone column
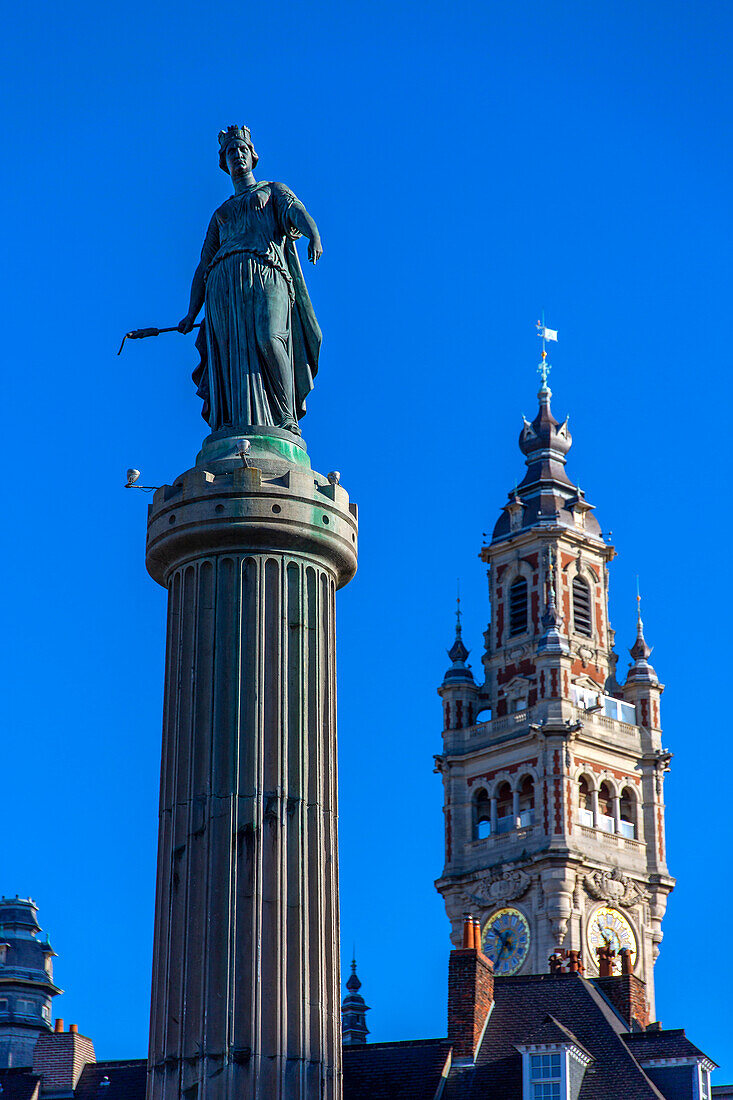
(245, 997)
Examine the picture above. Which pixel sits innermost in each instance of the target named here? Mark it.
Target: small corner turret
(458, 689)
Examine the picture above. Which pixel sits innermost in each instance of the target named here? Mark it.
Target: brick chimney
(60, 1056)
(470, 992)
(626, 992)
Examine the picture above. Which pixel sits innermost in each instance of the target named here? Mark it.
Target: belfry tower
(553, 772)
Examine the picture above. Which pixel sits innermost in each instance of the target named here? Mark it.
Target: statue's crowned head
(234, 133)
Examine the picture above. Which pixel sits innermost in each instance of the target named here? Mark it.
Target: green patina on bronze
(259, 341)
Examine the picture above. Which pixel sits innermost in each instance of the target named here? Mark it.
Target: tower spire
(458, 609)
(458, 653)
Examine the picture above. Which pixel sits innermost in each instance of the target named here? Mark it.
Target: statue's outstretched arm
(198, 290)
(302, 220)
(198, 285)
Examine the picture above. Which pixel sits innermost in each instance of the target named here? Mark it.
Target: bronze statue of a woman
(260, 340)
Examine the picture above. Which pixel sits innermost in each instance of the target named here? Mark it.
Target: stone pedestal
(245, 997)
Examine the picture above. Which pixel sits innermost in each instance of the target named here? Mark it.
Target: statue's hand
(186, 324)
(315, 250)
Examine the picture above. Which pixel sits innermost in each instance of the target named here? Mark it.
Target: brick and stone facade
(553, 772)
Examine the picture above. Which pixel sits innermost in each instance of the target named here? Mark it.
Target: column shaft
(246, 958)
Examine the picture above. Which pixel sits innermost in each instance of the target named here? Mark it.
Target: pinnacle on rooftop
(641, 670)
(458, 653)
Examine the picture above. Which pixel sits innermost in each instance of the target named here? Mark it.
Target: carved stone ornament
(614, 887)
(504, 887)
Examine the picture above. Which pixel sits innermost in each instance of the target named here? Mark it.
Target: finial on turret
(640, 651)
(458, 653)
(544, 367)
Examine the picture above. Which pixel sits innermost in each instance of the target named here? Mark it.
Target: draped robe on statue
(260, 340)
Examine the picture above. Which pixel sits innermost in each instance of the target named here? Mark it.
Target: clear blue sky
(468, 164)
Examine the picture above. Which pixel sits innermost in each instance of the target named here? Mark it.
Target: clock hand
(502, 941)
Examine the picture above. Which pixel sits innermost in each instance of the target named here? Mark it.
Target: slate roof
(18, 1084)
(126, 1081)
(662, 1044)
(522, 1005)
(395, 1071)
(541, 1008)
(551, 1032)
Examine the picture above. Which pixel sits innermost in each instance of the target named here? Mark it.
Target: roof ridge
(117, 1062)
(397, 1043)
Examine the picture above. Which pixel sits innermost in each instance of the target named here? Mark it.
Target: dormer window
(518, 607)
(553, 1071)
(582, 620)
(546, 1076)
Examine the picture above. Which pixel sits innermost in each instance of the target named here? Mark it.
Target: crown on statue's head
(234, 133)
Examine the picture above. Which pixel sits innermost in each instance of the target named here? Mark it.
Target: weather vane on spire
(545, 334)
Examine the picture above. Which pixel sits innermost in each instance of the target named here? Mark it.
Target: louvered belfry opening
(581, 607)
(518, 606)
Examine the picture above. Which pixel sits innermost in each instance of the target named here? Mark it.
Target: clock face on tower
(505, 939)
(608, 927)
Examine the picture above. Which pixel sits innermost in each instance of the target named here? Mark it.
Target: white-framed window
(546, 1076)
(549, 1072)
(26, 1008)
(46, 1012)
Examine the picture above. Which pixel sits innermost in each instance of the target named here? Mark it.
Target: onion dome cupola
(353, 1012)
(546, 494)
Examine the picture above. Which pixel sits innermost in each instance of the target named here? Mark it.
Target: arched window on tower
(526, 801)
(582, 620)
(605, 809)
(627, 813)
(504, 806)
(585, 802)
(518, 607)
(481, 815)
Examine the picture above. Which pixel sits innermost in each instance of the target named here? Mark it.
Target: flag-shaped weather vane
(545, 334)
